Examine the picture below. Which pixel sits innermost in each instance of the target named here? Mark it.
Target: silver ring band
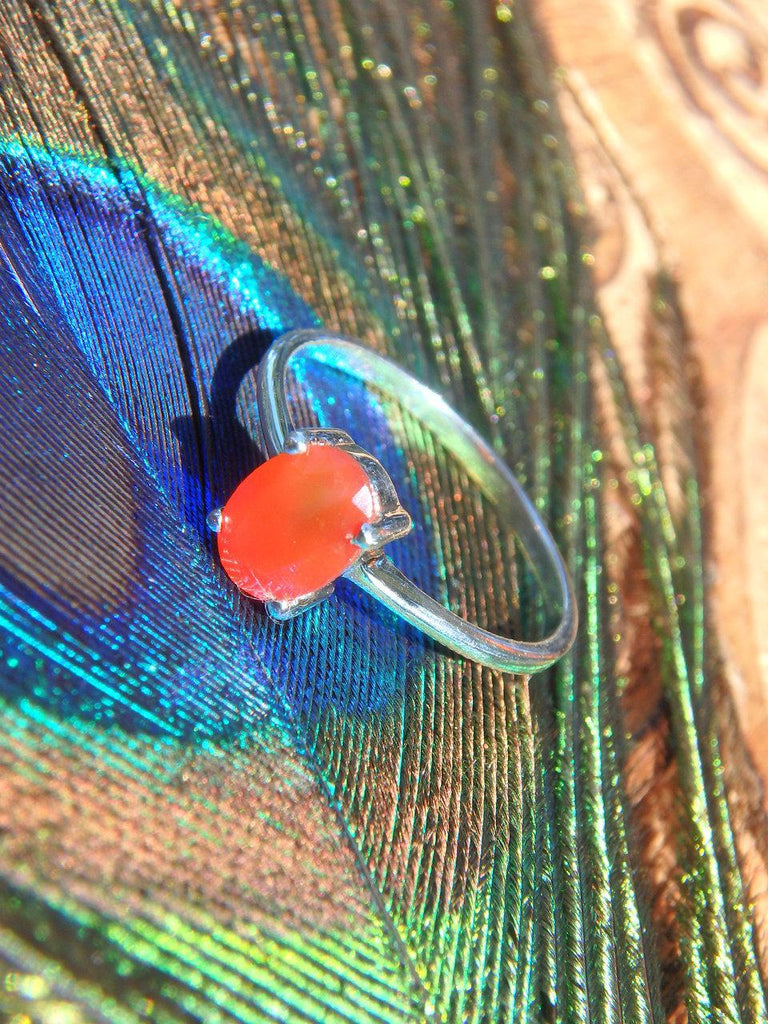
(378, 575)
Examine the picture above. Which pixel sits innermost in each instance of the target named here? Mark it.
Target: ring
(320, 508)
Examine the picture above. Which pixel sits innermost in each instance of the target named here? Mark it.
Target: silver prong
(373, 536)
(295, 443)
(298, 440)
(282, 610)
(213, 520)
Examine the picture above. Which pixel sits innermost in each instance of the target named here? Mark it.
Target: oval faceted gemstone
(288, 528)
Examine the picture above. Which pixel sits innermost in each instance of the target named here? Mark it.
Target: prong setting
(389, 520)
(392, 520)
(283, 610)
(213, 519)
(299, 440)
(294, 444)
(375, 535)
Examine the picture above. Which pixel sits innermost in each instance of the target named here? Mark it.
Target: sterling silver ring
(376, 511)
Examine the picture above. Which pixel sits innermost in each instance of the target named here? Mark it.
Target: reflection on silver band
(374, 571)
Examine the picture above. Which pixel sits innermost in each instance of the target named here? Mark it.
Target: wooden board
(666, 106)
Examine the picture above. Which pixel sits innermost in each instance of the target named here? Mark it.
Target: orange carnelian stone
(288, 528)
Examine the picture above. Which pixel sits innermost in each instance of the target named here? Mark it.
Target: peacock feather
(208, 816)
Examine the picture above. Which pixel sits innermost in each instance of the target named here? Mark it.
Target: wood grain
(665, 103)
